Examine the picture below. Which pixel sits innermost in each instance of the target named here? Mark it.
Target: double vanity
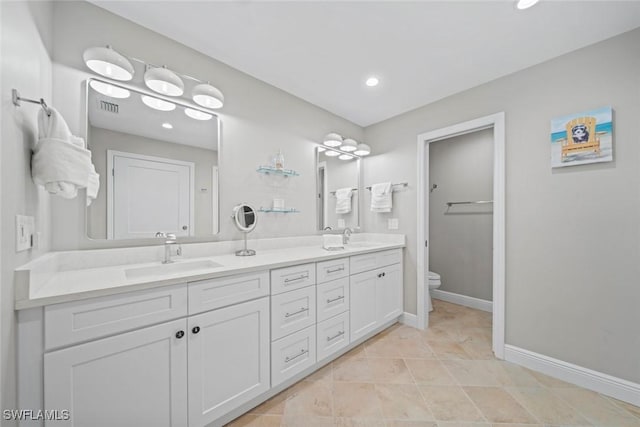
(118, 338)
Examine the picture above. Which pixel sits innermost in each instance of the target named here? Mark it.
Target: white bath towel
(332, 242)
(381, 197)
(343, 200)
(61, 163)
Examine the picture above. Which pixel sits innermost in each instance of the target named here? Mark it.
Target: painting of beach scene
(582, 138)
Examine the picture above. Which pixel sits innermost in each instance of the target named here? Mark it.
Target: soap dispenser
(279, 160)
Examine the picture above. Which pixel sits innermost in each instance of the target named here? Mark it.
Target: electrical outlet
(25, 227)
(392, 224)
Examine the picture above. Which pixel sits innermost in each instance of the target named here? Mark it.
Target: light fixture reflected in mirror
(109, 90)
(333, 140)
(158, 104)
(362, 150)
(108, 63)
(164, 81)
(331, 153)
(345, 157)
(321, 149)
(349, 145)
(197, 115)
(208, 96)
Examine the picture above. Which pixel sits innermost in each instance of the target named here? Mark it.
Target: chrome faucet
(346, 235)
(170, 240)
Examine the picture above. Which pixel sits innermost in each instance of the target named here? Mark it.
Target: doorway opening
(495, 125)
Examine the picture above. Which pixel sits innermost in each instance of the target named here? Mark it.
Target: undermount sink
(173, 268)
(361, 244)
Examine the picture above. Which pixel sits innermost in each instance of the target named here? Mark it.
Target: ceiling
(323, 51)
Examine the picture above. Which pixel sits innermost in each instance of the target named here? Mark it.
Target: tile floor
(443, 377)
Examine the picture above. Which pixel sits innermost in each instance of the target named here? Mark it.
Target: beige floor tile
(476, 372)
(310, 398)
(324, 374)
(633, 410)
(429, 372)
(356, 353)
(356, 400)
(596, 408)
(255, 420)
(516, 375)
(414, 348)
(352, 370)
(381, 348)
(402, 402)
(436, 333)
(307, 421)
(548, 381)
(547, 407)
(461, 424)
(450, 404)
(273, 406)
(410, 423)
(448, 350)
(359, 422)
(498, 406)
(478, 351)
(390, 371)
(521, 425)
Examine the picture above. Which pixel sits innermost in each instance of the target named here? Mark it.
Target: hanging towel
(343, 200)
(60, 162)
(381, 197)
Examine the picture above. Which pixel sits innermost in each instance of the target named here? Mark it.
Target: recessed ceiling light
(372, 81)
(198, 115)
(331, 153)
(167, 125)
(157, 103)
(525, 4)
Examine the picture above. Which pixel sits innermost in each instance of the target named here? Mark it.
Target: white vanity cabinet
(376, 293)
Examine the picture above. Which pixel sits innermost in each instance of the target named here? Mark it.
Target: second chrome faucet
(170, 240)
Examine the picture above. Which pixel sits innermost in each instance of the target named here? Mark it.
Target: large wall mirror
(338, 190)
(158, 164)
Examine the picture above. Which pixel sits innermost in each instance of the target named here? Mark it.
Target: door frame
(497, 123)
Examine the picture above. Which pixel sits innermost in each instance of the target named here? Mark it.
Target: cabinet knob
(379, 275)
(179, 334)
(195, 329)
(384, 274)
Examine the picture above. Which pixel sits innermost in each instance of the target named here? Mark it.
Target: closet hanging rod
(16, 99)
(474, 202)
(401, 184)
(334, 193)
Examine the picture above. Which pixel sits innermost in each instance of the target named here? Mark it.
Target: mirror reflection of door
(337, 184)
(247, 217)
(148, 194)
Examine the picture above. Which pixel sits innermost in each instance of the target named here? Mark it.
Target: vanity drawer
(292, 355)
(209, 294)
(292, 311)
(371, 261)
(332, 335)
(332, 298)
(289, 278)
(77, 321)
(332, 270)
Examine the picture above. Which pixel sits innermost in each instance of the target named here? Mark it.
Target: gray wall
(572, 235)
(256, 121)
(25, 54)
(461, 237)
(101, 140)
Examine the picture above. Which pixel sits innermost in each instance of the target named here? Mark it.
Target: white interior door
(149, 194)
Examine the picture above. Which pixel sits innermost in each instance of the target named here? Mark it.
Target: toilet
(434, 283)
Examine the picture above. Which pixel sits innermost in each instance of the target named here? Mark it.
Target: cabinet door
(389, 298)
(228, 359)
(362, 304)
(134, 379)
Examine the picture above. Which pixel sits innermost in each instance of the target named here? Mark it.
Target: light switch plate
(341, 223)
(392, 224)
(25, 227)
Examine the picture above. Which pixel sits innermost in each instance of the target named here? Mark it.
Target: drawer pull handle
(302, 310)
(335, 270)
(329, 301)
(339, 334)
(290, 358)
(295, 279)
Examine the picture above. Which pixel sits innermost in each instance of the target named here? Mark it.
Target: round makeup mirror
(245, 219)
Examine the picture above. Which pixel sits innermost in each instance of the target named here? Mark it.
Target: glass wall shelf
(271, 170)
(279, 210)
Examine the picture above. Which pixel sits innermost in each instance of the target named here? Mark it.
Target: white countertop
(69, 276)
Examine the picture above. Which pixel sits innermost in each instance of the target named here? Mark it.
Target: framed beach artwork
(582, 138)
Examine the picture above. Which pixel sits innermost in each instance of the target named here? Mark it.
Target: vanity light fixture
(207, 96)
(525, 4)
(372, 81)
(157, 104)
(345, 157)
(331, 153)
(197, 115)
(167, 125)
(333, 140)
(363, 150)
(349, 145)
(164, 81)
(108, 63)
(109, 90)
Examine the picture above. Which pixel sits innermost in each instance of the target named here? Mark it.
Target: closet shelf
(279, 210)
(269, 170)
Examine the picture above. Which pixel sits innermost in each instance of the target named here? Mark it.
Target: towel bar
(16, 99)
(401, 184)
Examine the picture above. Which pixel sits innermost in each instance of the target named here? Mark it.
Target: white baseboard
(593, 380)
(471, 302)
(409, 319)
